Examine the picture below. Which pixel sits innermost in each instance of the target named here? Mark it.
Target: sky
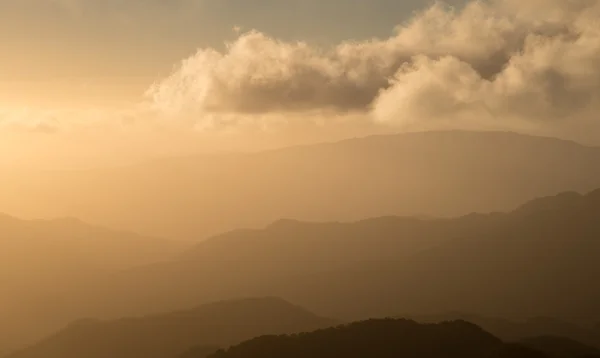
(109, 51)
(139, 78)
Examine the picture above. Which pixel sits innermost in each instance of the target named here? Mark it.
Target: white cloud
(506, 63)
(531, 66)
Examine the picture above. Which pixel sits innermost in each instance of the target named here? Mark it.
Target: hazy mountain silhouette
(432, 173)
(560, 347)
(536, 262)
(204, 329)
(254, 262)
(530, 262)
(539, 260)
(41, 261)
(532, 328)
(382, 339)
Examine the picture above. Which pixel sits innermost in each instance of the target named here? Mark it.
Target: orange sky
(132, 78)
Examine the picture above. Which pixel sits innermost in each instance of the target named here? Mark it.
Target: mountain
(250, 262)
(438, 174)
(214, 325)
(537, 329)
(382, 339)
(71, 241)
(538, 260)
(43, 261)
(560, 347)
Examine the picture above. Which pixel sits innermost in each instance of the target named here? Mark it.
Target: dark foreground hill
(433, 173)
(560, 347)
(383, 339)
(542, 330)
(168, 335)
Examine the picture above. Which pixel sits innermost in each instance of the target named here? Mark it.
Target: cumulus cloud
(530, 66)
(500, 63)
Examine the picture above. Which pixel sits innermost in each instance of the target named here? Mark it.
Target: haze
(181, 178)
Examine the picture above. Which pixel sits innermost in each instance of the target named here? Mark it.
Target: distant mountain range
(271, 327)
(432, 174)
(539, 260)
(259, 262)
(43, 261)
(203, 329)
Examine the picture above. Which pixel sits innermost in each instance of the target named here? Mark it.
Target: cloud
(503, 64)
(259, 74)
(530, 66)
(72, 120)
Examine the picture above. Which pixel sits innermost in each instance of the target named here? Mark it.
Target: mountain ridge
(171, 334)
(317, 265)
(440, 174)
(43, 262)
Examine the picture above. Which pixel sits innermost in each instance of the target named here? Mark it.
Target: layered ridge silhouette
(42, 262)
(202, 329)
(431, 173)
(539, 331)
(538, 260)
(265, 327)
